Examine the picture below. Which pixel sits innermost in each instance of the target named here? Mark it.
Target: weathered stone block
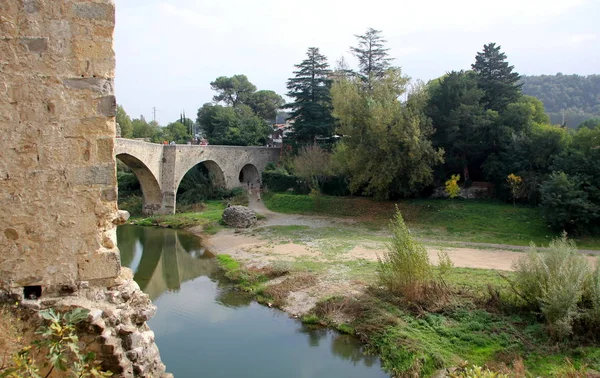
(100, 265)
(35, 45)
(107, 106)
(94, 11)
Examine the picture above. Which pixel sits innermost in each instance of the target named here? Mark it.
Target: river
(205, 328)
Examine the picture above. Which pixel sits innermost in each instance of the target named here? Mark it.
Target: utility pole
(154, 113)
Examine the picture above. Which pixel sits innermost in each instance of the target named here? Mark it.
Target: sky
(168, 51)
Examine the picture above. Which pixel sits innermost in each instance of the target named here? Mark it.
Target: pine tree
(496, 78)
(373, 59)
(311, 108)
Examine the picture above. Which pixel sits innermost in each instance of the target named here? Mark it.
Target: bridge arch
(150, 186)
(249, 174)
(213, 169)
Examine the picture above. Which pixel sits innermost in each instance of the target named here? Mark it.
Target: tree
(462, 125)
(177, 131)
(143, 129)
(312, 164)
(385, 149)
(591, 123)
(124, 122)
(515, 184)
(496, 78)
(373, 60)
(233, 90)
(311, 106)
(452, 188)
(265, 104)
(232, 126)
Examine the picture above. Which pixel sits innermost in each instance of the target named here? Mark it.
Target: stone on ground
(239, 216)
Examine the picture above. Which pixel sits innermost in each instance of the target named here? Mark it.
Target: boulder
(239, 216)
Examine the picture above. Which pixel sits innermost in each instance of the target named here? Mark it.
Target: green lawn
(209, 218)
(483, 221)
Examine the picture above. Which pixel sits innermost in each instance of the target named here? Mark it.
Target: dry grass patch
(278, 293)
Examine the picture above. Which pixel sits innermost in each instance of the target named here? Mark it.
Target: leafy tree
(265, 104)
(176, 131)
(124, 122)
(386, 150)
(143, 129)
(462, 125)
(373, 58)
(233, 90)
(311, 106)
(232, 126)
(590, 123)
(496, 78)
(515, 184)
(565, 203)
(452, 188)
(312, 164)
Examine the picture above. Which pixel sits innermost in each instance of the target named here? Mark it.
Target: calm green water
(204, 328)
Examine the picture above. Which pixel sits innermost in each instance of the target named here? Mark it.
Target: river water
(205, 328)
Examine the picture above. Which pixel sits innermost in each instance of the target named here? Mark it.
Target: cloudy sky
(168, 51)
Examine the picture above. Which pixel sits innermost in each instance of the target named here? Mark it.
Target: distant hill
(575, 97)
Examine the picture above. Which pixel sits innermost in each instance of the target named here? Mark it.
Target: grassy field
(208, 215)
(480, 221)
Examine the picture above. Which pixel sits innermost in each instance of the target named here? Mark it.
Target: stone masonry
(57, 173)
(160, 168)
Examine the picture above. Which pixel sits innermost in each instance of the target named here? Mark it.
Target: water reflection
(205, 327)
(163, 259)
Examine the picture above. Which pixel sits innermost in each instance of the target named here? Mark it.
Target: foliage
(199, 185)
(232, 126)
(570, 99)
(373, 58)
(452, 188)
(460, 120)
(279, 180)
(404, 268)
(60, 344)
(177, 132)
(312, 164)
(237, 90)
(386, 147)
(311, 100)
(124, 122)
(553, 282)
(496, 78)
(565, 203)
(515, 184)
(476, 372)
(590, 123)
(233, 91)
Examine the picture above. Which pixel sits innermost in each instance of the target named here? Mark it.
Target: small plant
(553, 282)
(60, 343)
(476, 372)
(515, 184)
(445, 264)
(452, 188)
(404, 268)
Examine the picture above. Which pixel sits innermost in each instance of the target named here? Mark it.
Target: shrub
(452, 188)
(278, 181)
(58, 348)
(553, 281)
(476, 372)
(404, 268)
(565, 204)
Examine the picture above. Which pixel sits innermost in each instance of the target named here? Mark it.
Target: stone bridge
(160, 168)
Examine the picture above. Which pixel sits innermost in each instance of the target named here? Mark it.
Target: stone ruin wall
(58, 187)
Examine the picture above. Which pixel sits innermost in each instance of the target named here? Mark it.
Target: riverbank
(323, 270)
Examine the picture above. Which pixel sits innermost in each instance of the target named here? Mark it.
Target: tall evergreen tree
(311, 108)
(496, 77)
(373, 58)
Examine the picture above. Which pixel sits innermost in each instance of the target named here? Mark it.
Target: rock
(121, 218)
(239, 216)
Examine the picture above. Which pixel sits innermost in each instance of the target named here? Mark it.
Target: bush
(476, 372)
(565, 204)
(127, 182)
(279, 180)
(553, 282)
(404, 268)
